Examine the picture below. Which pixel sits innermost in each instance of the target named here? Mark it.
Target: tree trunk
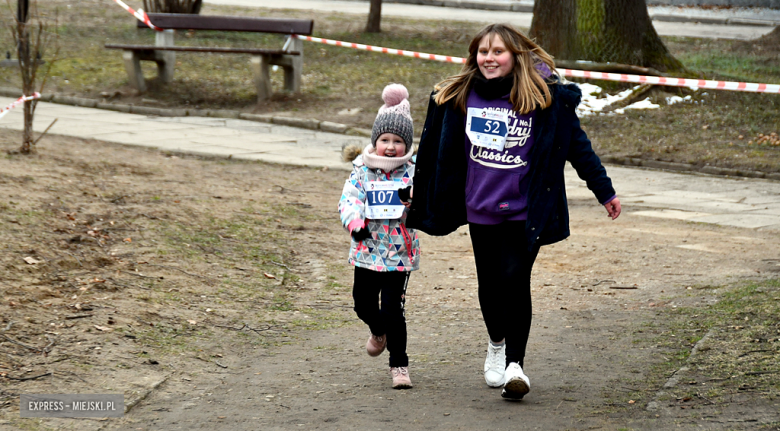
(27, 137)
(374, 17)
(616, 31)
(23, 54)
(33, 37)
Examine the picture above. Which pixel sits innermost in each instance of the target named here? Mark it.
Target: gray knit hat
(394, 116)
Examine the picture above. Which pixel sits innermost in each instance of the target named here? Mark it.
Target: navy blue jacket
(439, 204)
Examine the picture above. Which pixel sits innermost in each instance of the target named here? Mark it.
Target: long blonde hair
(529, 89)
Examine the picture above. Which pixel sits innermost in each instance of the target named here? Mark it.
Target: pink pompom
(394, 94)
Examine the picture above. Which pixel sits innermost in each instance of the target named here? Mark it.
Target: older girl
(496, 139)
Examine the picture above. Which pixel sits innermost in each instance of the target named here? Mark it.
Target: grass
(738, 356)
(744, 340)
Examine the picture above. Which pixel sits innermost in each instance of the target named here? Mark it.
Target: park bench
(163, 52)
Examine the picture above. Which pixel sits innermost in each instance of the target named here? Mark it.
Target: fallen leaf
(103, 328)
(32, 261)
(192, 322)
(128, 240)
(267, 275)
(631, 401)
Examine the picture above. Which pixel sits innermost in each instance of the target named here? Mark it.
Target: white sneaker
(494, 365)
(517, 383)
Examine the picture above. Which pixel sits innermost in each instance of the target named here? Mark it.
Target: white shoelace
(401, 370)
(494, 357)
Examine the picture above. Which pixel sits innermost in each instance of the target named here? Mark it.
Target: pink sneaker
(401, 378)
(376, 345)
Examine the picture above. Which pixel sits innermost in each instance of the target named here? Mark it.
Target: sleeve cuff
(609, 200)
(354, 224)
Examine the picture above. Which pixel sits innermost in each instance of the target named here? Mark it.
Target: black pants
(504, 275)
(389, 319)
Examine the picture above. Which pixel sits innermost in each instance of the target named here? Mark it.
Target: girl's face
(390, 145)
(493, 59)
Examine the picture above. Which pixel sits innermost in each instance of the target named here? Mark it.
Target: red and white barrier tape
(675, 82)
(140, 14)
(653, 80)
(435, 57)
(18, 102)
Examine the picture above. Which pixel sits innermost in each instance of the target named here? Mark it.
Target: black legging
(504, 275)
(389, 319)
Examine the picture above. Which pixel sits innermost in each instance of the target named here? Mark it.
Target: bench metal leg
(292, 75)
(262, 73)
(135, 76)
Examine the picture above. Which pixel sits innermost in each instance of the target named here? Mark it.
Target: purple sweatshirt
(497, 181)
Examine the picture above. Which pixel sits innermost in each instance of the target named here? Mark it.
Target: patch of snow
(642, 104)
(677, 99)
(591, 104)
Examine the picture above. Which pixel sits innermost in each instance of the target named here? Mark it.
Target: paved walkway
(688, 27)
(746, 203)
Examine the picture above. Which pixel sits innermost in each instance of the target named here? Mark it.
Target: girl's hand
(406, 196)
(613, 208)
(361, 234)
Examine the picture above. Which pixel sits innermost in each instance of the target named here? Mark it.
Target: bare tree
(614, 31)
(173, 6)
(374, 24)
(33, 40)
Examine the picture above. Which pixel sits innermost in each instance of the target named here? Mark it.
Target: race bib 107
(383, 200)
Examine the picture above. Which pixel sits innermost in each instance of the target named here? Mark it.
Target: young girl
(496, 139)
(383, 250)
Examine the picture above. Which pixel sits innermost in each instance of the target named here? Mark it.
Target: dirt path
(176, 256)
(582, 341)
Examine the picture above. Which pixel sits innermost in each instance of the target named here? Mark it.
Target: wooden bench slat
(201, 49)
(176, 21)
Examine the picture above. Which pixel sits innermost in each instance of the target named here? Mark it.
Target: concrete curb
(327, 126)
(528, 7)
(716, 21)
(686, 167)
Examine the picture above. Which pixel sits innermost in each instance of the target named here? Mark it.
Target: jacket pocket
(494, 191)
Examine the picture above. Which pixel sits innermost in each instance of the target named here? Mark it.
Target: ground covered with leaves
(114, 264)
